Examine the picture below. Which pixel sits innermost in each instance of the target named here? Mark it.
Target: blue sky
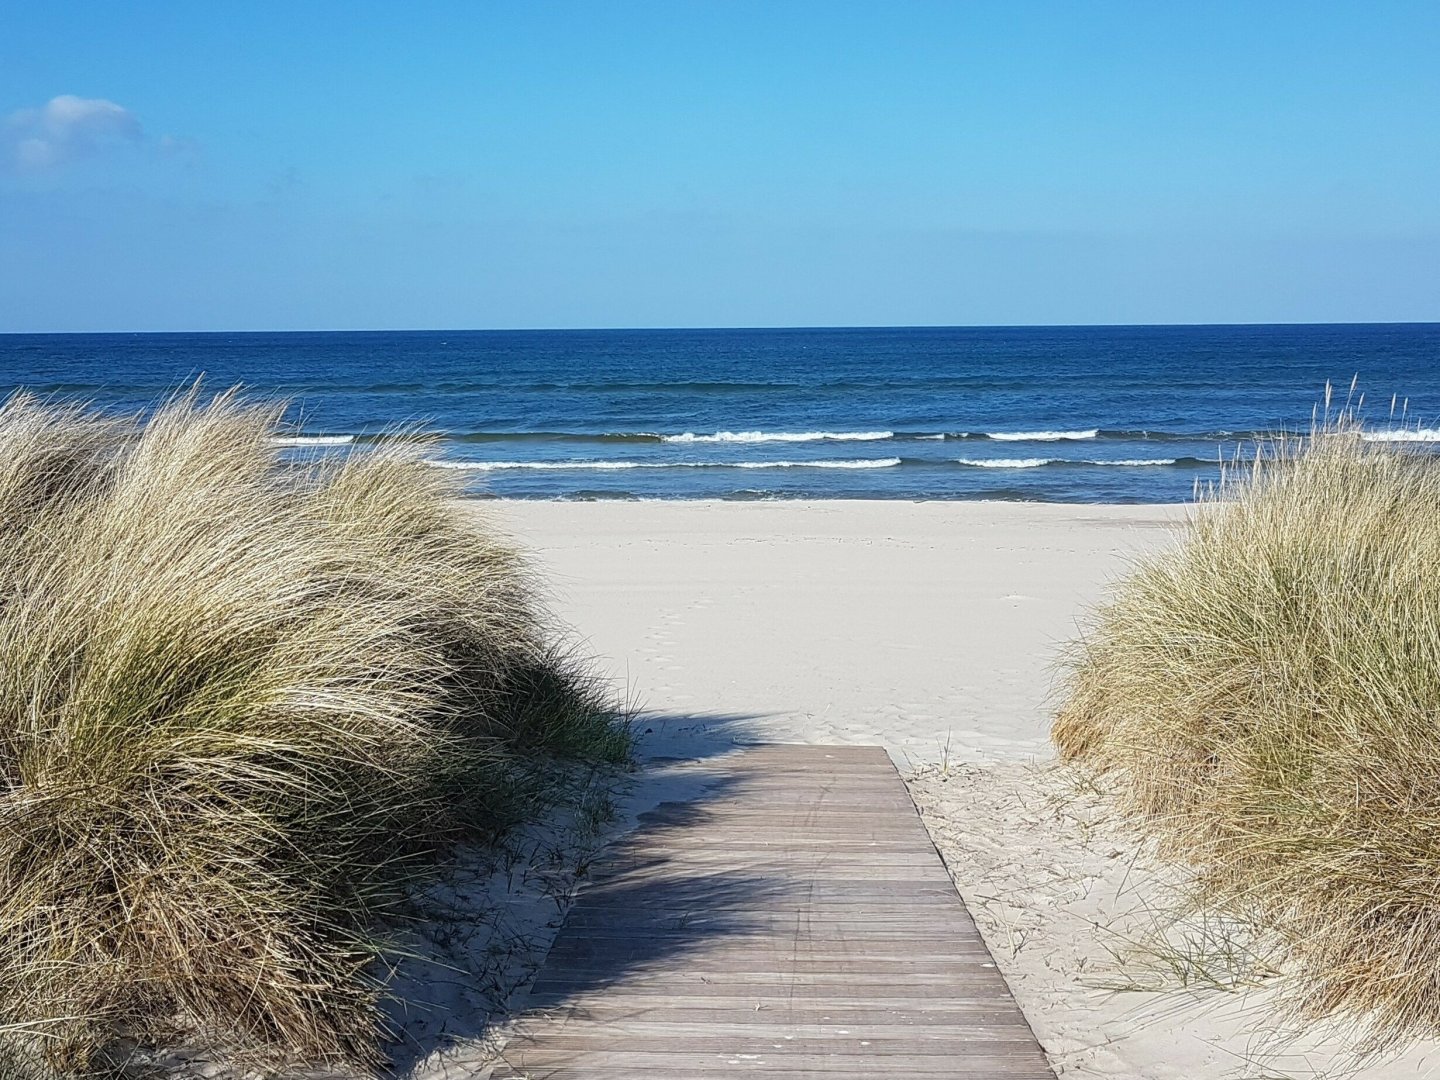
(183, 166)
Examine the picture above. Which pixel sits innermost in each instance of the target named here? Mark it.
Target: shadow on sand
(635, 910)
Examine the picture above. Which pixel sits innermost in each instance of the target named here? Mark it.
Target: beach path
(795, 920)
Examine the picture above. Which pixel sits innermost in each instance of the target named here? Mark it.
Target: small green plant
(1189, 950)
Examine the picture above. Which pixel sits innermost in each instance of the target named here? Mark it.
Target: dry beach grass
(243, 707)
(1265, 698)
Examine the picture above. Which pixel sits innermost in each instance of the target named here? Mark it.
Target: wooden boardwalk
(795, 921)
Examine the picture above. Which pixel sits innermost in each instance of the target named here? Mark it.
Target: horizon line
(716, 329)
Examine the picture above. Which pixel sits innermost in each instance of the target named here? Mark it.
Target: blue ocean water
(1081, 414)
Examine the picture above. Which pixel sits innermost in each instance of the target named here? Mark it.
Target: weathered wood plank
(847, 993)
(795, 922)
(684, 1016)
(807, 1000)
(948, 958)
(736, 1038)
(684, 1065)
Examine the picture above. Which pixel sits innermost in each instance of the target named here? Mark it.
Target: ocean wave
(1417, 435)
(1137, 463)
(857, 463)
(1103, 434)
(312, 440)
(602, 386)
(1041, 436)
(1035, 463)
(779, 436)
(606, 386)
(557, 466)
(1005, 463)
(494, 466)
(1153, 435)
(554, 436)
(1108, 435)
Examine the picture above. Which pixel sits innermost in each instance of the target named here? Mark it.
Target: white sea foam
(1424, 435)
(1134, 462)
(1005, 462)
(1042, 436)
(857, 463)
(491, 466)
(1037, 462)
(779, 436)
(312, 440)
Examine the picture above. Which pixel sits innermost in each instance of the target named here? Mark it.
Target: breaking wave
(1041, 436)
(556, 466)
(779, 436)
(1036, 463)
(1417, 435)
(312, 440)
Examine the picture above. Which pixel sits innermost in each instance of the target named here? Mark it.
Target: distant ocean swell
(314, 440)
(853, 463)
(779, 436)
(934, 465)
(691, 437)
(1040, 463)
(491, 466)
(1415, 435)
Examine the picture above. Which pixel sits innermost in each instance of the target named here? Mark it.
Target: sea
(1093, 414)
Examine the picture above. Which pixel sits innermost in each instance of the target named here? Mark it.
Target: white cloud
(67, 127)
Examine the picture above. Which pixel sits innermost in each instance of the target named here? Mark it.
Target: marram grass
(1266, 699)
(243, 705)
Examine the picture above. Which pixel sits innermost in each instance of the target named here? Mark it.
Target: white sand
(929, 628)
(902, 624)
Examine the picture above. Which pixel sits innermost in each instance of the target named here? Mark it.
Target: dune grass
(244, 704)
(1266, 700)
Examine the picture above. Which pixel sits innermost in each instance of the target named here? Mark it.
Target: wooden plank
(737, 1038)
(812, 1006)
(906, 984)
(686, 1016)
(903, 864)
(684, 1065)
(758, 1057)
(900, 956)
(710, 967)
(794, 921)
(848, 992)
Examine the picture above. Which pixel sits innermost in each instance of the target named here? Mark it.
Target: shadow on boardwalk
(634, 885)
(649, 909)
(644, 911)
(697, 736)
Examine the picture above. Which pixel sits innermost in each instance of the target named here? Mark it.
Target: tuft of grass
(245, 703)
(1185, 949)
(1266, 700)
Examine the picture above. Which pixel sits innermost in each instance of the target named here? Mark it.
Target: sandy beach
(933, 629)
(915, 626)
